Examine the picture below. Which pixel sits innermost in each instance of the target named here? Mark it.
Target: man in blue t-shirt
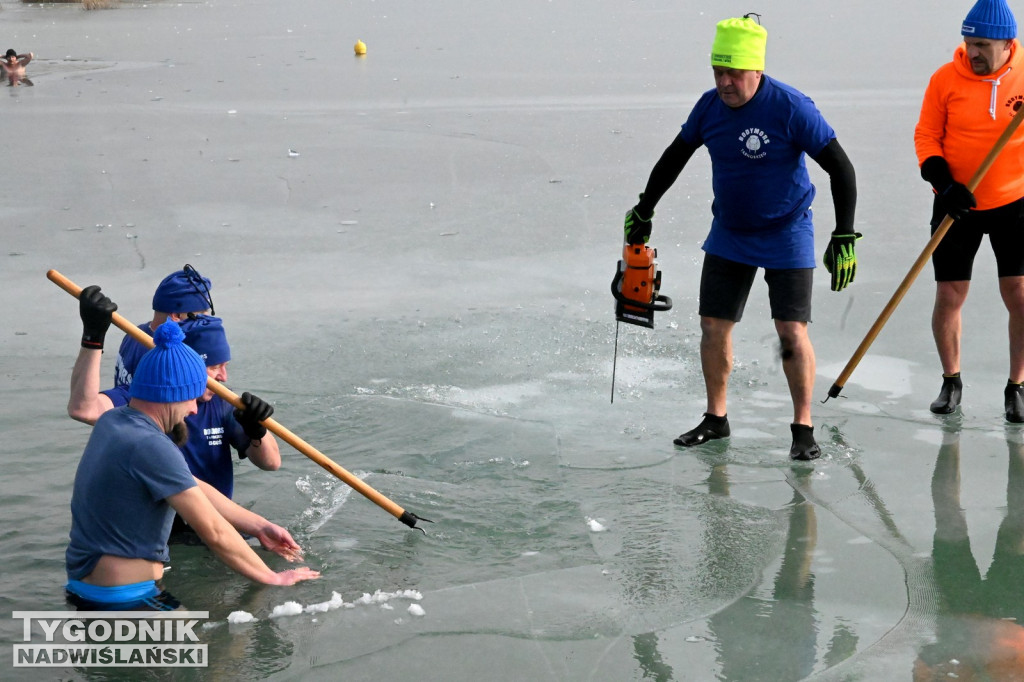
(213, 431)
(757, 131)
(130, 481)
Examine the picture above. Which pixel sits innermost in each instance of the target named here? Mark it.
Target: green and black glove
(841, 260)
(256, 410)
(96, 311)
(637, 228)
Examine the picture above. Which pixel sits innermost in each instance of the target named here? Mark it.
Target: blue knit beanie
(205, 335)
(991, 19)
(184, 291)
(171, 372)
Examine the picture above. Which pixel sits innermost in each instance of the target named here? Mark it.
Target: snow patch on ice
(379, 598)
(236, 617)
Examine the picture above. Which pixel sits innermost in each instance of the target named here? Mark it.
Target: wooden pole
(406, 517)
(922, 260)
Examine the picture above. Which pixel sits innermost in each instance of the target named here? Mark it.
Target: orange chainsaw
(636, 290)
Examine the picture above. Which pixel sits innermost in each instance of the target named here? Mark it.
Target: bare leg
(946, 322)
(799, 365)
(1012, 290)
(716, 361)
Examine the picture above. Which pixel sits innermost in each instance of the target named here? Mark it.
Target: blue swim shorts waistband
(114, 594)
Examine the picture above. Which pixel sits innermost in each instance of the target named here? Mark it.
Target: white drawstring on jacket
(995, 88)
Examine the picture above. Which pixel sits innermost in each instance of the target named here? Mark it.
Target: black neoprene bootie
(804, 447)
(949, 395)
(711, 427)
(1013, 401)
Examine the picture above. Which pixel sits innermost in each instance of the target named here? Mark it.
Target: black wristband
(644, 213)
(92, 342)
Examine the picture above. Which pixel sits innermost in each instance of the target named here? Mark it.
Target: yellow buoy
(360, 47)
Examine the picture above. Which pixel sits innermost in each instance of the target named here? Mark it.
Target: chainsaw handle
(661, 303)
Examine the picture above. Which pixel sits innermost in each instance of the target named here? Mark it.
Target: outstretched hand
(840, 259)
(296, 575)
(279, 541)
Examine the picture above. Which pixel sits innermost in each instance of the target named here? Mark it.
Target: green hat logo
(739, 44)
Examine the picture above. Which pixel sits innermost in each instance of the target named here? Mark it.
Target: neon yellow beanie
(739, 44)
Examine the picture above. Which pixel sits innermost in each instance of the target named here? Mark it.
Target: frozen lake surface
(412, 253)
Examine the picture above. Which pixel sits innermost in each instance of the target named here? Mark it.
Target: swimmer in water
(13, 65)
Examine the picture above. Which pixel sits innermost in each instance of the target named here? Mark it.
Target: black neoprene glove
(954, 197)
(96, 311)
(957, 200)
(256, 410)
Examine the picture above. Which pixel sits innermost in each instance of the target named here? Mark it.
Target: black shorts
(725, 285)
(953, 259)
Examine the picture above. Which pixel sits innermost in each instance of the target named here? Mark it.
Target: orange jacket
(963, 115)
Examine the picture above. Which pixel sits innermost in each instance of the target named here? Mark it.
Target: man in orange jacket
(967, 105)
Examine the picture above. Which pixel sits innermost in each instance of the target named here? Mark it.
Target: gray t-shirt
(119, 504)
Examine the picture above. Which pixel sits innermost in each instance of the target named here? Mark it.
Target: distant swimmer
(14, 64)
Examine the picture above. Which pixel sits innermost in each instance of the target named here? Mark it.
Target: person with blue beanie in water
(215, 431)
(131, 480)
